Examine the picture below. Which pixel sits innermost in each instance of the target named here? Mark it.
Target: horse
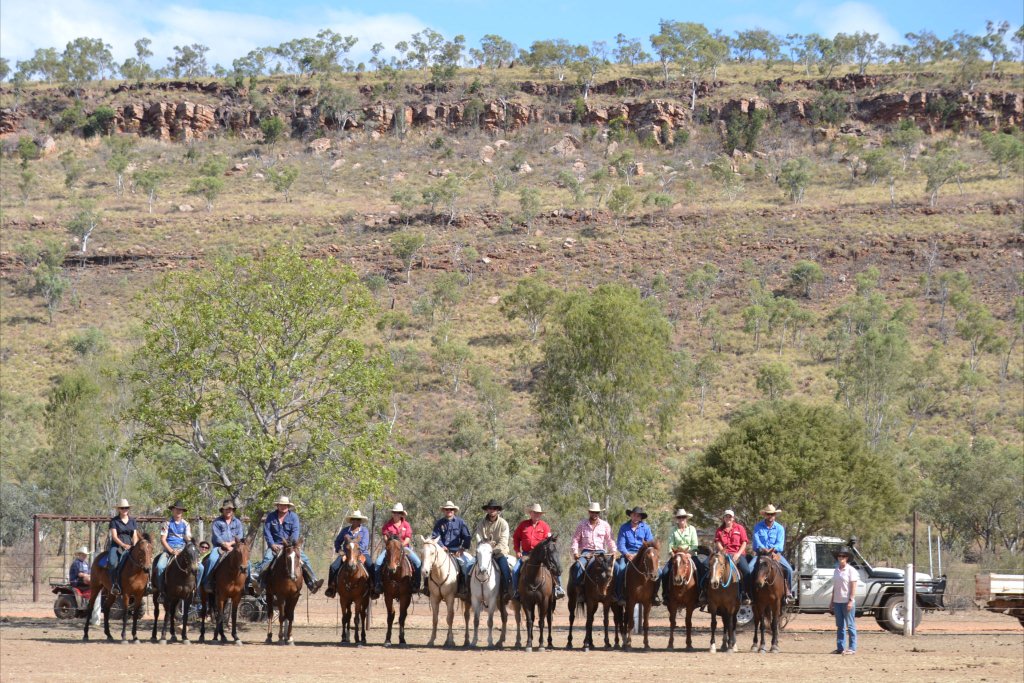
(723, 598)
(642, 580)
(397, 579)
(134, 578)
(594, 588)
(353, 587)
(442, 572)
(228, 580)
(485, 592)
(537, 592)
(179, 587)
(769, 590)
(284, 584)
(683, 592)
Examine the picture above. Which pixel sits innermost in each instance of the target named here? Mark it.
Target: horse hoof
(387, 643)
(586, 649)
(238, 642)
(163, 641)
(541, 649)
(269, 640)
(291, 642)
(712, 649)
(186, 641)
(774, 650)
(529, 649)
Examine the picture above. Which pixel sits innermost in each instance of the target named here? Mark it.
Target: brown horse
(179, 586)
(228, 580)
(642, 581)
(683, 592)
(537, 592)
(134, 578)
(284, 584)
(769, 590)
(397, 580)
(594, 588)
(723, 598)
(353, 587)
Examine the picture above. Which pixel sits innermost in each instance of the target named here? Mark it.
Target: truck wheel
(893, 614)
(250, 609)
(744, 617)
(65, 607)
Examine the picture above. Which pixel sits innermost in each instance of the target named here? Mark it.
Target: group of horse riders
(592, 536)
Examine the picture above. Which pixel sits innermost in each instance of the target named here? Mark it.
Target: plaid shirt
(588, 537)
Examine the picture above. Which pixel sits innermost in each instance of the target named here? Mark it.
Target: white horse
(442, 575)
(485, 590)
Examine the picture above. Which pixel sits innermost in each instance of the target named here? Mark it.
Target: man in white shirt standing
(844, 588)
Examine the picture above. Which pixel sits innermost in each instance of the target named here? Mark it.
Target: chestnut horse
(723, 598)
(352, 584)
(179, 587)
(134, 578)
(594, 588)
(228, 581)
(683, 592)
(642, 581)
(284, 584)
(769, 590)
(397, 580)
(537, 592)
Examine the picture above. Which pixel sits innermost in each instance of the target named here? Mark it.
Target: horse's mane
(146, 537)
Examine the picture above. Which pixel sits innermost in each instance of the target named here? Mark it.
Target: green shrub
(829, 109)
(272, 128)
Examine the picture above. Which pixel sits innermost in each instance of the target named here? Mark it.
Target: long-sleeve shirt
(529, 535)
(769, 537)
(683, 539)
(226, 532)
(361, 536)
(276, 532)
(630, 540)
(496, 533)
(598, 537)
(731, 539)
(79, 566)
(453, 534)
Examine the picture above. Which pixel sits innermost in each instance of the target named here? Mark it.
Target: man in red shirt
(527, 536)
(732, 538)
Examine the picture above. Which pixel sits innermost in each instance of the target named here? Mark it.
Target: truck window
(823, 556)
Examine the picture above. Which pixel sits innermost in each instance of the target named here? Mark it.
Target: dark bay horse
(397, 580)
(228, 580)
(134, 578)
(284, 584)
(353, 587)
(769, 590)
(642, 580)
(537, 592)
(723, 598)
(179, 587)
(683, 592)
(594, 588)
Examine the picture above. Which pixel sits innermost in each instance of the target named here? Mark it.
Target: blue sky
(232, 27)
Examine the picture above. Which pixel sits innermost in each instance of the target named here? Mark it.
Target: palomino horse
(397, 579)
(683, 592)
(179, 587)
(134, 577)
(594, 588)
(642, 581)
(485, 592)
(769, 590)
(723, 598)
(228, 585)
(284, 583)
(537, 592)
(442, 574)
(353, 587)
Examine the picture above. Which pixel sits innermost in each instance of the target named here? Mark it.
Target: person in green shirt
(683, 538)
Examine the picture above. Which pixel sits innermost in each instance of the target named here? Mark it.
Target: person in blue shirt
(227, 530)
(280, 525)
(357, 531)
(124, 533)
(769, 535)
(78, 575)
(632, 535)
(174, 534)
(454, 535)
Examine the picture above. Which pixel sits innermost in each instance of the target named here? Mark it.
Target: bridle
(677, 559)
(131, 556)
(592, 558)
(651, 575)
(772, 568)
(449, 562)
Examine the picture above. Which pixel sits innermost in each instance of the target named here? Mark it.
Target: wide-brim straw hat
(356, 514)
(639, 510)
(595, 507)
(491, 504)
(227, 504)
(681, 512)
(283, 500)
(399, 508)
(535, 508)
(123, 503)
(770, 509)
(448, 505)
(84, 550)
(178, 505)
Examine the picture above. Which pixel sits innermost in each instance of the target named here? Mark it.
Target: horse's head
(600, 569)
(484, 552)
(682, 569)
(351, 553)
(430, 552)
(767, 566)
(142, 552)
(647, 557)
(393, 551)
(191, 552)
(243, 549)
(718, 569)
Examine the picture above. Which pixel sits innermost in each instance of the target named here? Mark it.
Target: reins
(653, 576)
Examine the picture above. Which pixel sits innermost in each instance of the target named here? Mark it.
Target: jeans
(308, 574)
(162, 560)
(114, 557)
(619, 575)
(746, 568)
(414, 560)
(845, 624)
(207, 566)
(666, 579)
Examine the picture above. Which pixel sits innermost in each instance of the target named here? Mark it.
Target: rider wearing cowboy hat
(633, 533)
(174, 534)
(124, 533)
(355, 531)
(592, 535)
(528, 535)
(227, 530)
(683, 538)
(398, 526)
(78, 574)
(282, 524)
(493, 529)
(452, 533)
(770, 536)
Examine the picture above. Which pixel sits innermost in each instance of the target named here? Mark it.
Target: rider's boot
(314, 585)
(378, 588)
(559, 593)
(461, 587)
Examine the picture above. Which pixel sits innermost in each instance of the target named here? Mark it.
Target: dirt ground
(966, 646)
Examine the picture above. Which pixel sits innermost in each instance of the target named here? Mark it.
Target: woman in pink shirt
(398, 526)
(843, 605)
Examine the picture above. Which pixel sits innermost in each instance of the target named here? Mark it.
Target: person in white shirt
(844, 588)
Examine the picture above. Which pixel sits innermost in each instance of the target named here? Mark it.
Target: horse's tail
(581, 603)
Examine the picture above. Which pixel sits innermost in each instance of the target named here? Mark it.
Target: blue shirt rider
(282, 524)
(174, 533)
(356, 530)
(632, 535)
(769, 535)
(453, 533)
(124, 533)
(226, 531)
(78, 574)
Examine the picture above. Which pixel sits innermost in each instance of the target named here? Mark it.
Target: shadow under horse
(537, 592)
(397, 574)
(352, 583)
(593, 588)
(134, 577)
(284, 584)
(683, 593)
(643, 577)
(723, 598)
(769, 591)
(179, 585)
(229, 577)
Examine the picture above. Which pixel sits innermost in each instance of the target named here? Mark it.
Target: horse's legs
(449, 602)
(136, 613)
(776, 618)
(571, 604)
(270, 617)
(756, 623)
(170, 615)
(403, 603)
(689, 627)
(346, 615)
(94, 593)
(156, 618)
(465, 616)
(504, 620)
(714, 624)
(529, 627)
(478, 604)
(551, 614)
(186, 612)
(646, 609)
(234, 617)
(435, 608)
(671, 623)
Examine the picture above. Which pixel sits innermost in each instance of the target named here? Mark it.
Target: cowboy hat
(283, 500)
(123, 503)
(84, 550)
(639, 510)
(492, 504)
(398, 508)
(770, 510)
(595, 507)
(178, 505)
(535, 508)
(357, 515)
(842, 550)
(729, 513)
(681, 512)
(448, 505)
(227, 504)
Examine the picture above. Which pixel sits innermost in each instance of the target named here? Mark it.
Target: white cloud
(26, 26)
(849, 17)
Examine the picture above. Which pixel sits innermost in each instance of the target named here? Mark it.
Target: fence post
(67, 545)
(202, 529)
(92, 540)
(35, 558)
